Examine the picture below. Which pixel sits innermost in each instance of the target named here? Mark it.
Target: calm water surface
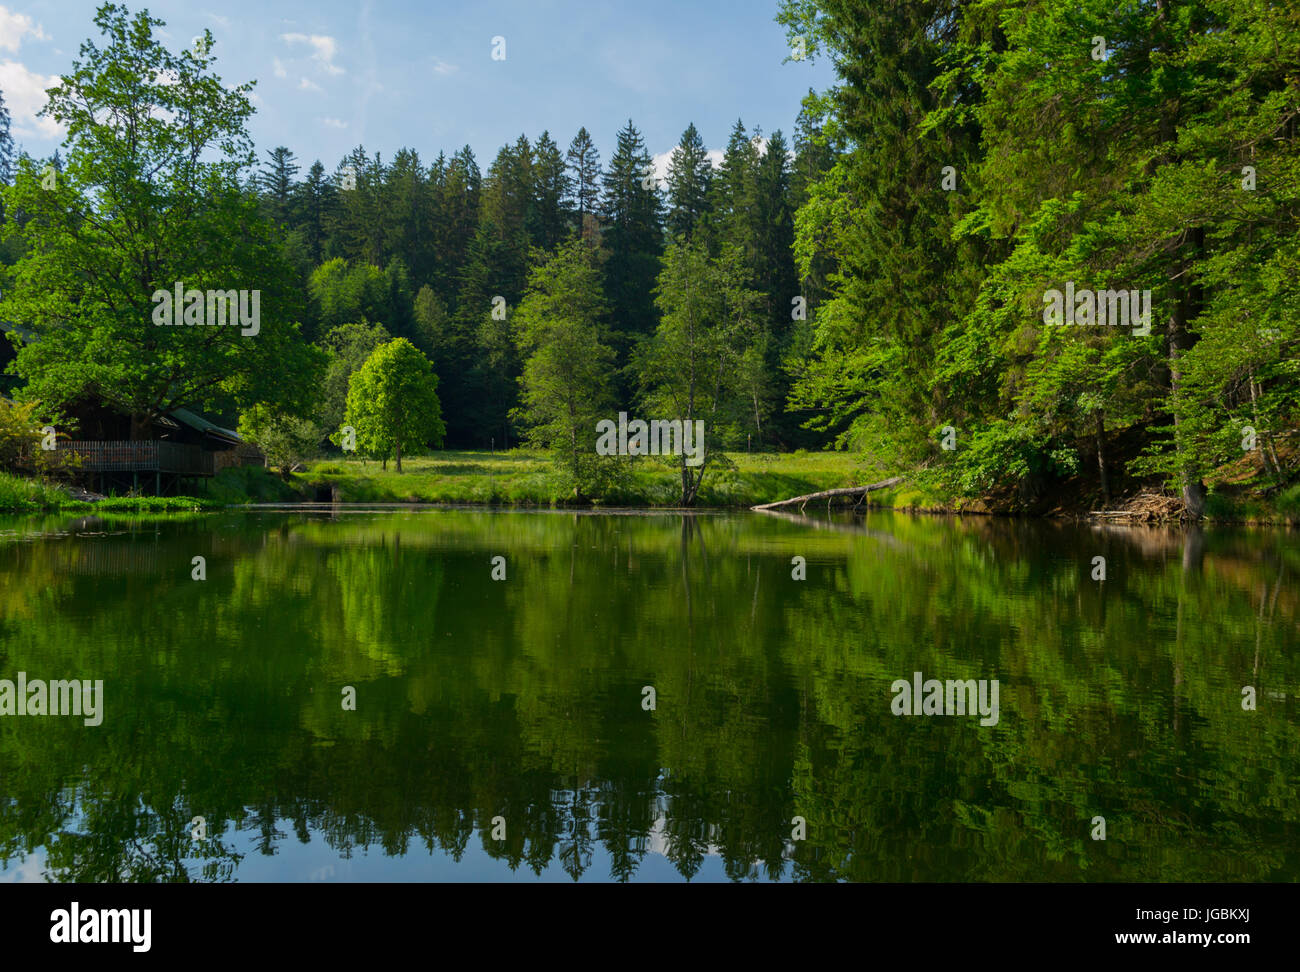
(524, 699)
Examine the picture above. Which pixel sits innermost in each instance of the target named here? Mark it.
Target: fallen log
(829, 494)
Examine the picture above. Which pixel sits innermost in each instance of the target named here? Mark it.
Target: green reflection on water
(523, 698)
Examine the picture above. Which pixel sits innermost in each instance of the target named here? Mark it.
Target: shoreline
(527, 481)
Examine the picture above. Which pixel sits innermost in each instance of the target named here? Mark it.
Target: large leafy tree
(393, 402)
(698, 363)
(568, 365)
(149, 196)
(342, 294)
(349, 347)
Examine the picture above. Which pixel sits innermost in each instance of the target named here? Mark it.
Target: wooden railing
(149, 455)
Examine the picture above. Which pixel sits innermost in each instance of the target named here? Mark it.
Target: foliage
(149, 198)
(697, 366)
(393, 402)
(994, 152)
(286, 440)
(568, 368)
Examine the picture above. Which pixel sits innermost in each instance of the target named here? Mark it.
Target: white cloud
(323, 46)
(14, 27)
(334, 123)
(217, 19)
(278, 67)
(24, 93)
(661, 161)
(442, 67)
(307, 84)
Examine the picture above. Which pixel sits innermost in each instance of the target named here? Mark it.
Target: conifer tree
(633, 235)
(690, 175)
(584, 164)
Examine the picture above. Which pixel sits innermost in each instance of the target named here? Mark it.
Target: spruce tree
(632, 235)
(314, 199)
(732, 189)
(409, 204)
(276, 184)
(690, 175)
(458, 209)
(584, 163)
(551, 188)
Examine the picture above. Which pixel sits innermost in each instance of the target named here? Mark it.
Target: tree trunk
(1192, 488)
(139, 426)
(399, 455)
(1264, 439)
(1101, 459)
(828, 494)
(1187, 302)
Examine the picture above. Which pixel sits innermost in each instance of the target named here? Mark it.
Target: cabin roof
(184, 417)
(200, 424)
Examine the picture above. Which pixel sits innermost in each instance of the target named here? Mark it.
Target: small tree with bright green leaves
(393, 402)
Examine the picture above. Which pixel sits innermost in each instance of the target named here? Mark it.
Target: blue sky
(333, 75)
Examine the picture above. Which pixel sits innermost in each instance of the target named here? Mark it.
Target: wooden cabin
(181, 445)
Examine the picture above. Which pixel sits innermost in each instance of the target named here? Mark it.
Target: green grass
(525, 478)
(248, 484)
(19, 495)
(1242, 507)
(146, 504)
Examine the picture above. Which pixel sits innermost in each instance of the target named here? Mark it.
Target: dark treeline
(425, 248)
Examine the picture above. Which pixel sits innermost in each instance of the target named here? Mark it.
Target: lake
(351, 694)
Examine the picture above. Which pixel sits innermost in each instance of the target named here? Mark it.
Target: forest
(874, 280)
